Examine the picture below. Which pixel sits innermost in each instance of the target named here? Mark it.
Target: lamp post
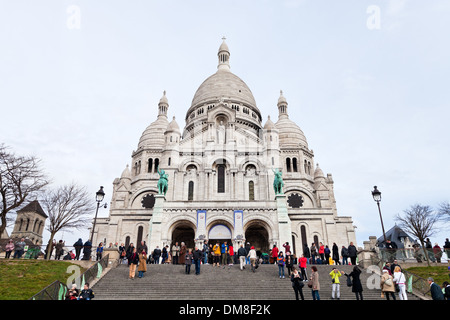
(99, 195)
(376, 194)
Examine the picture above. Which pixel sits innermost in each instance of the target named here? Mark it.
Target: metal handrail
(57, 290)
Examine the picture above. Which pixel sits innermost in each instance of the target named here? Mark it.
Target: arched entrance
(219, 233)
(184, 232)
(258, 236)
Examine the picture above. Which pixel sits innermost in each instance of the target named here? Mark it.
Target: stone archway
(256, 233)
(184, 231)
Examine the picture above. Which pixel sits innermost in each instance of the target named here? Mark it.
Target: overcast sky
(366, 81)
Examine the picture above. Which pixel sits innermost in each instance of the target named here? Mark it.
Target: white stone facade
(221, 178)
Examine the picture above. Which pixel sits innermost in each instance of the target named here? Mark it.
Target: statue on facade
(278, 182)
(221, 133)
(163, 182)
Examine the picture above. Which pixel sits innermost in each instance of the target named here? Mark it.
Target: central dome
(223, 86)
(226, 85)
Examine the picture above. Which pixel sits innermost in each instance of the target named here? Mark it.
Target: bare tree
(68, 207)
(21, 179)
(419, 221)
(444, 211)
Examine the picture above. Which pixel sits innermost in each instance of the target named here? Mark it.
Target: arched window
(191, 191)
(221, 178)
(168, 162)
(316, 241)
(294, 164)
(303, 235)
(139, 237)
(288, 164)
(251, 191)
(150, 165)
(306, 167)
(156, 164)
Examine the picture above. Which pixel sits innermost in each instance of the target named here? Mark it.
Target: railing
(58, 290)
(40, 252)
(411, 255)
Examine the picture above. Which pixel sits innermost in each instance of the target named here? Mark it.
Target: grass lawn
(438, 273)
(21, 279)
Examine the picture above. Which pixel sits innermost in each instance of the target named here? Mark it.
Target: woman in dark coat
(356, 285)
(335, 251)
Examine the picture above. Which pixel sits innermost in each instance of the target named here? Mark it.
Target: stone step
(169, 282)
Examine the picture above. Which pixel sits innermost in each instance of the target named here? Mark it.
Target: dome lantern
(224, 56)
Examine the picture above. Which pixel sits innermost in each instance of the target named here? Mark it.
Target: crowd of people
(223, 255)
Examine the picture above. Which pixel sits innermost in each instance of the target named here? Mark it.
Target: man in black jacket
(242, 254)
(86, 293)
(198, 255)
(352, 253)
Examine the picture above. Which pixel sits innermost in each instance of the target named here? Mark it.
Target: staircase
(169, 282)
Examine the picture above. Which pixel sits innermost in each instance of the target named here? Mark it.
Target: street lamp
(99, 195)
(376, 194)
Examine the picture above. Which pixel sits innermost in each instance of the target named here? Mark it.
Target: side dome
(153, 135)
(173, 127)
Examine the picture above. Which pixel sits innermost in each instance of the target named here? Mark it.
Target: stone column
(154, 230)
(284, 223)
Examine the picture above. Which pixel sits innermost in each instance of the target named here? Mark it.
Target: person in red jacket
(302, 263)
(322, 251)
(275, 253)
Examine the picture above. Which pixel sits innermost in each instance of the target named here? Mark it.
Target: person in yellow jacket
(216, 252)
(335, 274)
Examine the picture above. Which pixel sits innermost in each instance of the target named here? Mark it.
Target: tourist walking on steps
(224, 253)
(274, 253)
(198, 254)
(142, 264)
(133, 260)
(400, 281)
(335, 251)
(289, 260)
(242, 254)
(352, 251)
(247, 250)
(314, 283)
(297, 283)
(280, 262)
(175, 253)
(302, 263)
(387, 285)
(252, 256)
(188, 261)
(335, 274)
(356, 282)
(344, 254)
(216, 251)
(313, 251)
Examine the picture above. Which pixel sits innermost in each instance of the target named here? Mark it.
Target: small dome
(173, 127)
(153, 135)
(318, 173)
(126, 174)
(289, 133)
(269, 124)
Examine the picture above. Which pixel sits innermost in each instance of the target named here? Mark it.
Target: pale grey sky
(367, 82)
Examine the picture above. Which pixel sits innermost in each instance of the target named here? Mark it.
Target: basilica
(220, 169)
